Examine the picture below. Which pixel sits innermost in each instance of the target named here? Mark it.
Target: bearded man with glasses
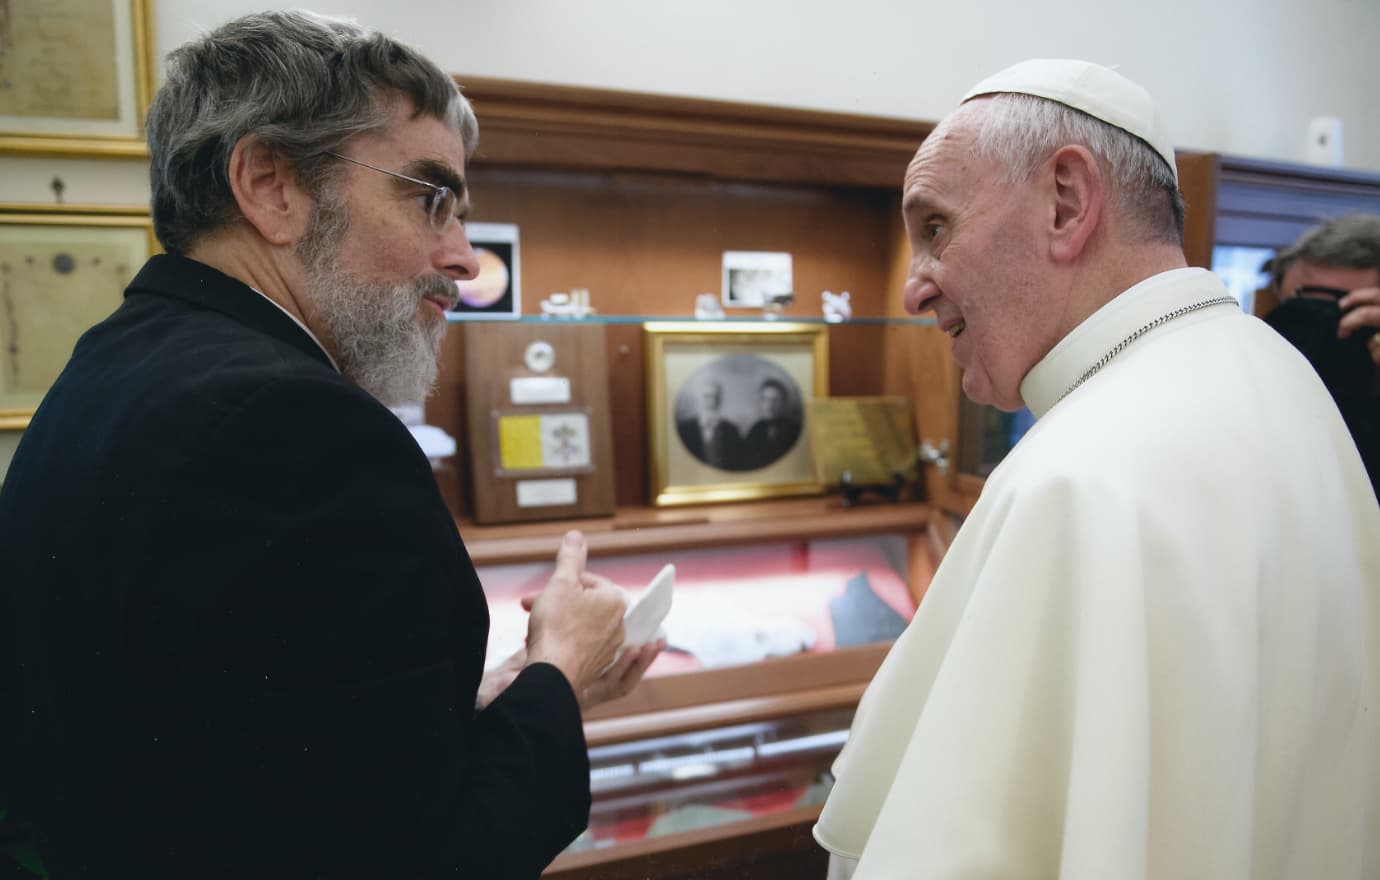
(239, 633)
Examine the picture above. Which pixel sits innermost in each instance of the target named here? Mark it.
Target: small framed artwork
(62, 269)
(556, 441)
(728, 409)
(751, 279)
(537, 407)
(862, 441)
(495, 293)
(76, 76)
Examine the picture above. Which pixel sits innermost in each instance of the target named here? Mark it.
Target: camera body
(1332, 295)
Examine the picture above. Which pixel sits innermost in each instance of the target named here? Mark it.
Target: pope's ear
(1077, 190)
(265, 187)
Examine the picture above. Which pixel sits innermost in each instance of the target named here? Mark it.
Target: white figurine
(837, 308)
(707, 307)
(574, 304)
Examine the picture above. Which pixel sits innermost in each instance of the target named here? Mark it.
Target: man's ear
(1077, 198)
(265, 188)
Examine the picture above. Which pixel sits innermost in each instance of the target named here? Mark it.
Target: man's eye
(933, 230)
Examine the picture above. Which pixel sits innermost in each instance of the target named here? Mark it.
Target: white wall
(1239, 76)
(1236, 76)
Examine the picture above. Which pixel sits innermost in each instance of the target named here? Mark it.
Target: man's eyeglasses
(440, 202)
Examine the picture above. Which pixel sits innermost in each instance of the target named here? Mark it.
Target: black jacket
(239, 633)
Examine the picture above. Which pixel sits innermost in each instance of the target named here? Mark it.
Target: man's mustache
(438, 287)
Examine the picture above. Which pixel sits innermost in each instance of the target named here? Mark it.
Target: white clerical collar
(310, 334)
(1141, 305)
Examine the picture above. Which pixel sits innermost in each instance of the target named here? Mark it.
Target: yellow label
(519, 442)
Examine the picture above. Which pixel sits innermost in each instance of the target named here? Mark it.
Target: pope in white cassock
(1153, 650)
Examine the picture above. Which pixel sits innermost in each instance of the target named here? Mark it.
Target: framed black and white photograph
(751, 279)
(495, 293)
(728, 407)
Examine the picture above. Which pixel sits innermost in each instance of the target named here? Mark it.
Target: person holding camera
(1328, 284)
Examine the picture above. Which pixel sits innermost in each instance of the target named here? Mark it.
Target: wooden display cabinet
(635, 198)
(667, 714)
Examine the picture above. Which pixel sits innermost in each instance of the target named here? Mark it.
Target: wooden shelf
(729, 712)
(771, 688)
(651, 530)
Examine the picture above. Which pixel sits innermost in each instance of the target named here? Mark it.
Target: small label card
(539, 389)
(545, 493)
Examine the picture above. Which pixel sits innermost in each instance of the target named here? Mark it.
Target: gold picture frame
(728, 406)
(76, 76)
(62, 269)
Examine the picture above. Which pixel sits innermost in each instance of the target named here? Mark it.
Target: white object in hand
(642, 620)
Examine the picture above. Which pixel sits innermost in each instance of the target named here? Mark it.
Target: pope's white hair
(1017, 132)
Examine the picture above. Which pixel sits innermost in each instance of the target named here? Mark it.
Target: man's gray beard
(379, 341)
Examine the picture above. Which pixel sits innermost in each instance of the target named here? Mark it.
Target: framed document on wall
(76, 76)
(541, 445)
(62, 269)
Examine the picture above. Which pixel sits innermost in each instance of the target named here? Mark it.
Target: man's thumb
(570, 557)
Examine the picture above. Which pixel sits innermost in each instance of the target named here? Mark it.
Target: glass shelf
(455, 318)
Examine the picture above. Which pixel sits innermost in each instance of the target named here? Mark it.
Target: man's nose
(920, 291)
(454, 256)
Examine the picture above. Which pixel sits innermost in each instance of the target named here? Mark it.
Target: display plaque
(868, 439)
(538, 414)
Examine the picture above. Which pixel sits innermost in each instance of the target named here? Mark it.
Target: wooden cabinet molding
(658, 530)
(569, 127)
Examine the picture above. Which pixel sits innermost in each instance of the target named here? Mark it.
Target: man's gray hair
(1018, 132)
(1352, 241)
(302, 84)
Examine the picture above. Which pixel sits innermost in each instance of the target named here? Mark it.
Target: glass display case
(738, 605)
(781, 613)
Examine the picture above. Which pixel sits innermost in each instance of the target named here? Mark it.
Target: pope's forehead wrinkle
(941, 141)
(951, 134)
